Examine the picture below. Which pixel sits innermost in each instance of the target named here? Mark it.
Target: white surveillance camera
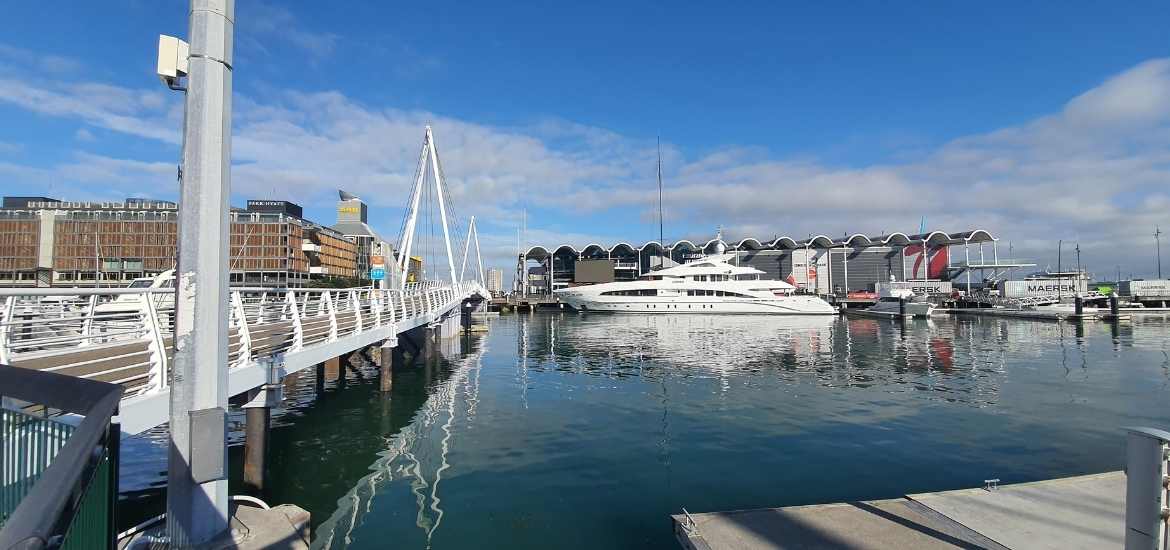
(172, 60)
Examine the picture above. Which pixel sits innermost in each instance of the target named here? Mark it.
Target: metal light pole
(197, 487)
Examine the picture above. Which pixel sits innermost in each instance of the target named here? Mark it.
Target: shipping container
(918, 287)
(1154, 288)
(1042, 287)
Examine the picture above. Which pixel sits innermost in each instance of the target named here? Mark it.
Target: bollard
(1114, 306)
(902, 306)
(1147, 452)
(1079, 306)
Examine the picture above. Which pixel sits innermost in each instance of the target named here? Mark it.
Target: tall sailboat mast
(660, 241)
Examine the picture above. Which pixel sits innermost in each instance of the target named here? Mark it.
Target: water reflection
(587, 430)
(737, 350)
(419, 453)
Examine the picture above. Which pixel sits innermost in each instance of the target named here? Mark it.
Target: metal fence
(28, 444)
(59, 480)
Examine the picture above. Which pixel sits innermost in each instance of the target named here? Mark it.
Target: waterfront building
(820, 264)
(48, 242)
(495, 281)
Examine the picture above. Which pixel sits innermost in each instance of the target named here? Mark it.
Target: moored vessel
(706, 285)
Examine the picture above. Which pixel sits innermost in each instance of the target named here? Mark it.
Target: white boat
(132, 303)
(707, 285)
(899, 302)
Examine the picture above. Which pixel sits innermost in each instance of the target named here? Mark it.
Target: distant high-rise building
(495, 280)
(352, 217)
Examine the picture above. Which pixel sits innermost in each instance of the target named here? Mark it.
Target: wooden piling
(386, 366)
(256, 447)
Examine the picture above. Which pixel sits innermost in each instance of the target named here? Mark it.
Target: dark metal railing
(58, 481)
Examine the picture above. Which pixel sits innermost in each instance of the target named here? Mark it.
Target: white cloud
(1096, 169)
(48, 63)
(275, 22)
(8, 148)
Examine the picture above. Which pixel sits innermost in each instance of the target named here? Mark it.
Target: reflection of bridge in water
(417, 454)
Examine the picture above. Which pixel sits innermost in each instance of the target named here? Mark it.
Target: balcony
(310, 246)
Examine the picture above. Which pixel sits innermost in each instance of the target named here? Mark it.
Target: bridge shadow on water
(323, 437)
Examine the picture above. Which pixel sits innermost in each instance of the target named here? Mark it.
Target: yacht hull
(791, 305)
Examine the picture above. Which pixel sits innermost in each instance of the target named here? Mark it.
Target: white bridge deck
(124, 336)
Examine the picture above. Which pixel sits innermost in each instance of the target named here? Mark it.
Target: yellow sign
(348, 209)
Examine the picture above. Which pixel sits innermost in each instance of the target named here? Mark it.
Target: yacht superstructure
(899, 302)
(707, 285)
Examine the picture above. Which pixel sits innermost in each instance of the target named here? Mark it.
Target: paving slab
(866, 525)
(1070, 513)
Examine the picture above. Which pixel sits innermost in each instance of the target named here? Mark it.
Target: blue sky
(1037, 121)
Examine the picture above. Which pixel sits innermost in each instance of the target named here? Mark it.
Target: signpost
(377, 267)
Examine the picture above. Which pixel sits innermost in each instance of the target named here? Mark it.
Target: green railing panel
(90, 528)
(27, 445)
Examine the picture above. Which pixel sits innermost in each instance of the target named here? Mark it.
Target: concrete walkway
(1069, 513)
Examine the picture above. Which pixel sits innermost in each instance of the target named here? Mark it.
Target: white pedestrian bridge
(124, 336)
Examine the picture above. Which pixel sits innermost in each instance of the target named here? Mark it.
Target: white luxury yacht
(706, 285)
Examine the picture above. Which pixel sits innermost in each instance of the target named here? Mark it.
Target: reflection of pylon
(428, 160)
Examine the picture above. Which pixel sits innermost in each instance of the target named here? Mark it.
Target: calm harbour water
(569, 430)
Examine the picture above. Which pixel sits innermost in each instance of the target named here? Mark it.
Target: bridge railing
(125, 336)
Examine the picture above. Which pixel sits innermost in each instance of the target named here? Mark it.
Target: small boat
(898, 303)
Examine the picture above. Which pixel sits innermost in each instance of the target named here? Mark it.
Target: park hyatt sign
(283, 207)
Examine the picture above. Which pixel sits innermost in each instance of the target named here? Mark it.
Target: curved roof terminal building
(819, 263)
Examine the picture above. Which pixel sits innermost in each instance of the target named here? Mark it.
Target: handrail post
(357, 311)
(87, 324)
(6, 330)
(157, 380)
(290, 298)
(376, 306)
(331, 308)
(239, 320)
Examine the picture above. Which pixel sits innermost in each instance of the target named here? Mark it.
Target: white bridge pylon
(428, 162)
(471, 230)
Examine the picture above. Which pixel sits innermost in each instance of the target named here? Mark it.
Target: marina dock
(1076, 512)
